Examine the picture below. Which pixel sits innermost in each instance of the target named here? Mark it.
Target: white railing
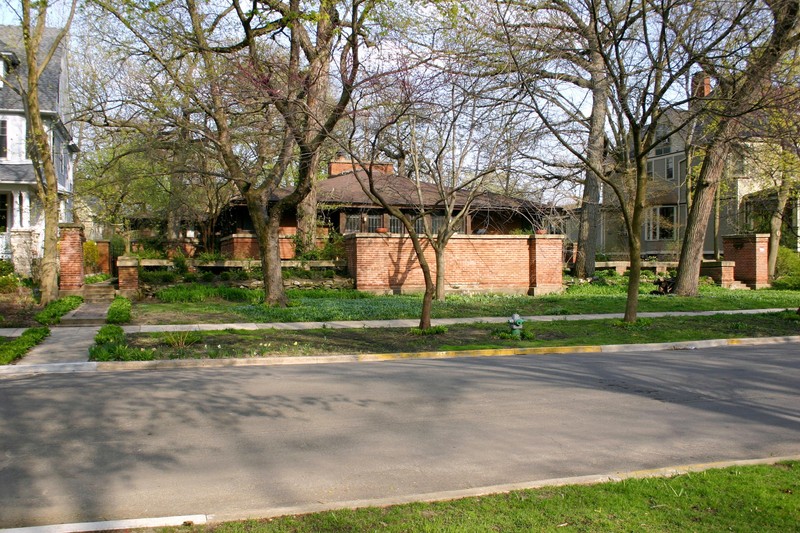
(5, 246)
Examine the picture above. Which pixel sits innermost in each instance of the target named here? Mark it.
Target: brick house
(21, 214)
(344, 208)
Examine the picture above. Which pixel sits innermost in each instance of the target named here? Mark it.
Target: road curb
(492, 489)
(111, 525)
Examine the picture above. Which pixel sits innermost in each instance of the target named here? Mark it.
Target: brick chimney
(701, 85)
(342, 164)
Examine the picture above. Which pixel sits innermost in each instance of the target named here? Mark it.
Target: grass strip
(52, 312)
(752, 498)
(327, 341)
(208, 304)
(13, 349)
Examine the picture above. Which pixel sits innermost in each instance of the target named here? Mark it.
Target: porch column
(70, 254)
(26, 209)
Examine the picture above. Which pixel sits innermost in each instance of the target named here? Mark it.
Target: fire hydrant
(516, 322)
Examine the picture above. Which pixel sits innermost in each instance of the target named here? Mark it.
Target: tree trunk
(307, 222)
(47, 189)
(441, 267)
(697, 222)
(266, 225)
(632, 301)
(776, 225)
(590, 203)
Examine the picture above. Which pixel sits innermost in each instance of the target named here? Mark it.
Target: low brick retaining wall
(511, 264)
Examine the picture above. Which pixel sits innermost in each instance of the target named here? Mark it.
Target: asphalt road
(241, 441)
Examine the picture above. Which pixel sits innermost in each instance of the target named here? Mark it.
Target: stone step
(738, 285)
(98, 293)
(88, 314)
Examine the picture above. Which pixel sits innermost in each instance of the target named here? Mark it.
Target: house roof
(11, 42)
(346, 189)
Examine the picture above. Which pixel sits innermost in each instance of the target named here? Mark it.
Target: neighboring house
(344, 207)
(21, 213)
(666, 212)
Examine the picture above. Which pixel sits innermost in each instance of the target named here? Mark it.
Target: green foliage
(332, 249)
(639, 324)
(433, 330)
(53, 311)
(110, 346)
(180, 263)
(16, 348)
(788, 263)
(787, 283)
(181, 339)
(503, 333)
(314, 273)
(96, 278)
(6, 267)
(190, 277)
(149, 253)
(200, 293)
(207, 277)
(91, 256)
(117, 246)
(8, 283)
(209, 257)
(119, 312)
(236, 274)
(110, 334)
(158, 276)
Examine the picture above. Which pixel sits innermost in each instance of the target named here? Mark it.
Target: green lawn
(191, 304)
(743, 499)
(271, 342)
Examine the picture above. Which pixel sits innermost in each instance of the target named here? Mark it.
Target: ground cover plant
(197, 303)
(12, 349)
(53, 311)
(751, 498)
(119, 312)
(324, 341)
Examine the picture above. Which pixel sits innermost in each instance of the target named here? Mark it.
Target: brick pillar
(128, 275)
(70, 257)
(104, 253)
(749, 253)
(546, 264)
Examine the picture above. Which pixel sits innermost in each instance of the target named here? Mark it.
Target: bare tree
(739, 91)
(39, 52)
(266, 119)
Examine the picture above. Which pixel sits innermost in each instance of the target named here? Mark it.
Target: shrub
(110, 335)
(96, 278)
(209, 257)
(788, 263)
(158, 276)
(207, 277)
(13, 350)
(181, 266)
(787, 283)
(53, 311)
(181, 339)
(6, 267)
(190, 277)
(8, 283)
(91, 256)
(119, 312)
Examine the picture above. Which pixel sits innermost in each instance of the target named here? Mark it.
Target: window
(395, 226)
(374, 221)
(650, 169)
(3, 139)
(660, 222)
(352, 223)
(670, 174)
(665, 146)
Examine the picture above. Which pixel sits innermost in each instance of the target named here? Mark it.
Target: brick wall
(749, 253)
(70, 257)
(245, 246)
(486, 263)
(720, 271)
